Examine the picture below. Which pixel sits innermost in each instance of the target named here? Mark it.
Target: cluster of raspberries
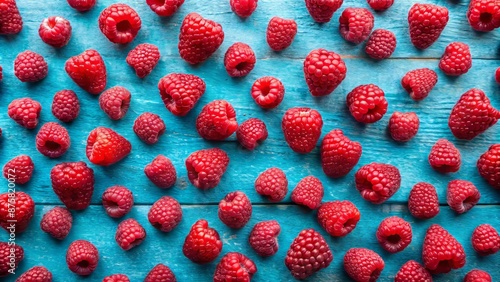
(324, 71)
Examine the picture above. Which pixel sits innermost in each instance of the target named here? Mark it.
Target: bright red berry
(52, 140)
(119, 23)
(25, 112)
(339, 154)
(116, 278)
(55, 31)
(264, 238)
(19, 169)
(143, 59)
(216, 121)
(160, 273)
(234, 267)
(239, 60)
(117, 201)
(82, 257)
(485, 240)
(488, 166)
(30, 67)
(497, 75)
(477, 275)
(206, 167)
(82, 5)
(356, 24)
(202, 244)
(445, 157)
(36, 274)
(11, 21)
(243, 8)
(5, 261)
(338, 218)
(180, 92)
(161, 172)
(324, 71)
(268, 92)
(251, 133)
(129, 234)
(308, 192)
(88, 71)
(367, 103)
(57, 222)
(280, 33)
(456, 60)
(302, 129)
(413, 271)
(24, 211)
(106, 147)
(484, 15)
(272, 184)
(426, 22)
(235, 210)
(73, 183)
(403, 126)
(115, 102)
(165, 214)
(381, 44)
(65, 105)
(165, 8)
(377, 182)
(380, 5)
(462, 195)
(423, 202)
(419, 83)
(363, 264)
(322, 10)
(441, 252)
(394, 234)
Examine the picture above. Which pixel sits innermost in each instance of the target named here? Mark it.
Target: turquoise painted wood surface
(181, 138)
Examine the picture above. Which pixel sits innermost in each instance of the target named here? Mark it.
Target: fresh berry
(462, 195)
(441, 252)
(9, 259)
(160, 273)
(180, 92)
(423, 202)
(308, 254)
(381, 44)
(484, 15)
(264, 238)
(129, 234)
(165, 8)
(235, 210)
(339, 155)
(57, 222)
(394, 234)
(206, 167)
(363, 264)
(380, 5)
(82, 257)
(143, 58)
(426, 22)
(65, 105)
(243, 8)
(82, 5)
(119, 23)
(239, 60)
(161, 172)
(165, 214)
(36, 274)
(488, 166)
(19, 170)
(216, 121)
(445, 157)
(115, 102)
(106, 147)
(322, 10)
(251, 132)
(477, 275)
(302, 129)
(199, 38)
(11, 21)
(24, 211)
(419, 83)
(403, 126)
(116, 278)
(456, 60)
(324, 71)
(268, 92)
(272, 184)
(377, 182)
(73, 183)
(367, 103)
(280, 33)
(52, 140)
(117, 201)
(30, 67)
(338, 218)
(497, 75)
(414, 272)
(202, 244)
(55, 31)
(308, 192)
(485, 240)
(356, 24)
(234, 267)
(88, 71)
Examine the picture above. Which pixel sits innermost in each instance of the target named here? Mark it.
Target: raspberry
(412, 271)
(456, 60)
(55, 31)
(106, 147)
(338, 218)
(129, 234)
(497, 75)
(308, 254)
(419, 83)
(20, 169)
(52, 140)
(380, 5)
(216, 121)
(160, 273)
(272, 184)
(164, 8)
(462, 195)
(485, 240)
(381, 44)
(116, 278)
(403, 126)
(206, 167)
(280, 33)
(441, 252)
(264, 238)
(82, 257)
(235, 210)
(161, 172)
(445, 157)
(308, 192)
(117, 201)
(322, 11)
(149, 127)
(30, 67)
(5, 261)
(302, 129)
(324, 71)
(65, 105)
(143, 59)
(356, 24)
(82, 5)
(11, 21)
(394, 234)
(367, 103)
(243, 8)
(234, 267)
(239, 60)
(115, 102)
(165, 214)
(363, 264)
(202, 244)
(73, 183)
(88, 71)
(199, 38)
(36, 274)
(426, 22)
(484, 15)
(24, 207)
(119, 23)
(251, 132)
(180, 92)
(57, 222)
(477, 275)
(377, 182)
(423, 202)
(268, 92)
(488, 166)
(339, 155)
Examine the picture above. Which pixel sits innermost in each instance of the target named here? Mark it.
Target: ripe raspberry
(82, 257)
(412, 271)
(129, 234)
(73, 183)
(115, 102)
(82, 5)
(52, 140)
(239, 60)
(116, 278)
(36, 274)
(88, 71)
(164, 8)
(160, 273)
(363, 264)
(488, 166)
(235, 210)
(380, 5)
(462, 195)
(202, 244)
(302, 129)
(24, 207)
(165, 214)
(234, 267)
(20, 169)
(243, 8)
(377, 182)
(55, 31)
(419, 83)
(441, 251)
(381, 44)
(206, 167)
(426, 22)
(403, 126)
(6, 255)
(308, 192)
(280, 33)
(264, 238)
(456, 60)
(394, 234)
(484, 15)
(119, 23)
(338, 218)
(180, 92)
(268, 92)
(272, 184)
(199, 38)
(308, 254)
(106, 147)
(322, 11)
(161, 172)
(324, 71)
(30, 67)
(497, 75)
(339, 155)
(11, 21)
(143, 59)
(65, 106)
(216, 121)
(57, 222)
(445, 157)
(356, 24)
(367, 103)
(485, 240)
(423, 202)
(117, 201)
(477, 275)
(251, 132)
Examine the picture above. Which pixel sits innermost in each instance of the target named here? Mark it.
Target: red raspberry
(394, 234)
(65, 106)
(426, 22)
(143, 59)
(20, 169)
(308, 192)
(116, 278)
(477, 275)
(52, 140)
(161, 172)
(11, 21)
(272, 184)
(164, 8)
(367, 103)
(30, 67)
(268, 92)
(180, 92)
(356, 24)
(380, 5)
(234, 267)
(324, 71)
(73, 183)
(441, 252)
(419, 83)
(36, 274)
(129, 234)
(115, 102)
(339, 155)
(199, 38)
(280, 33)
(251, 132)
(88, 71)
(403, 126)
(55, 31)
(377, 182)
(322, 10)
(239, 60)
(117, 201)
(160, 273)
(119, 23)
(456, 60)
(243, 8)
(264, 238)
(6, 255)
(206, 167)
(202, 244)
(302, 129)
(57, 222)
(363, 264)
(338, 218)
(462, 195)
(82, 257)
(106, 147)
(216, 121)
(381, 44)
(308, 254)
(497, 75)
(488, 166)
(423, 202)
(484, 15)
(82, 5)
(165, 214)
(412, 271)
(24, 207)
(445, 157)
(235, 210)
(485, 240)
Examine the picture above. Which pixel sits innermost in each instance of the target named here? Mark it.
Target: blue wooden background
(181, 138)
